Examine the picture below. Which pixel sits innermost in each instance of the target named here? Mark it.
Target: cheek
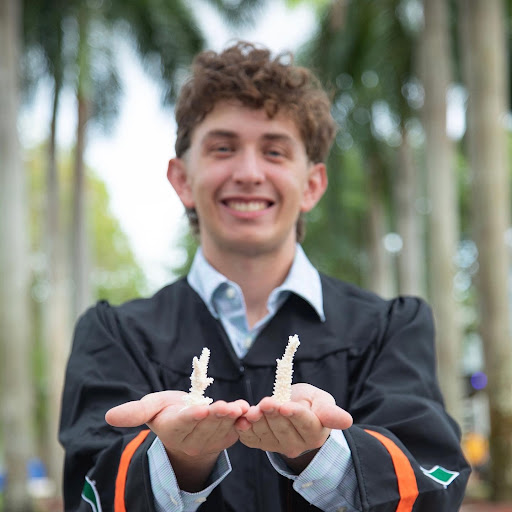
(206, 187)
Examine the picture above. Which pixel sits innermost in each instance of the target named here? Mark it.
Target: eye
(275, 153)
(222, 149)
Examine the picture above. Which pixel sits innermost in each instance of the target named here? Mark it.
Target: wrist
(192, 472)
(300, 463)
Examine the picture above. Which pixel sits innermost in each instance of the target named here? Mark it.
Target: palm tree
(166, 38)
(16, 400)
(363, 51)
(43, 32)
(483, 49)
(441, 178)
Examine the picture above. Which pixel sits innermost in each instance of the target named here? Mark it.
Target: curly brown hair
(250, 75)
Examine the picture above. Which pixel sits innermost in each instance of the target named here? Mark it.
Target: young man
(365, 429)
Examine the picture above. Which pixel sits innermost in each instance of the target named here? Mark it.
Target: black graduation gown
(376, 357)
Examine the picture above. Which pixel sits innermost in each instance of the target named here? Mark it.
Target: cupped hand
(190, 431)
(301, 425)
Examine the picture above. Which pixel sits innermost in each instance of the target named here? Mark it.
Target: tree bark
(483, 46)
(80, 256)
(381, 274)
(441, 184)
(15, 319)
(406, 187)
(57, 313)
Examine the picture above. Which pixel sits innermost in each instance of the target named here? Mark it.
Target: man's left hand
(300, 425)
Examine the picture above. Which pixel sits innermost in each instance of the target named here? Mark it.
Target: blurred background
(418, 200)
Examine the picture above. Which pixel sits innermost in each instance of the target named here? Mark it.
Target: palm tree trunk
(80, 257)
(406, 186)
(381, 274)
(15, 319)
(56, 322)
(441, 183)
(485, 66)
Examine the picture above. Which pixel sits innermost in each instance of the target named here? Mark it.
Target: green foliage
(318, 5)
(189, 244)
(115, 273)
(363, 54)
(166, 37)
(335, 228)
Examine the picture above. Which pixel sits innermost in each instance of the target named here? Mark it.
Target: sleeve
(167, 494)
(105, 467)
(329, 481)
(405, 447)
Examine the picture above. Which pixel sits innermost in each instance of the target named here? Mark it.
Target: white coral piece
(284, 372)
(199, 380)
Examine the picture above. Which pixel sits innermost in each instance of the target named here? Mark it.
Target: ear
(178, 178)
(314, 187)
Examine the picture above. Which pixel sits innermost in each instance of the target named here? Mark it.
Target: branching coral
(284, 372)
(199, 380)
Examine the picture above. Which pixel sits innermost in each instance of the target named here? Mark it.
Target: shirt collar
(303, 280)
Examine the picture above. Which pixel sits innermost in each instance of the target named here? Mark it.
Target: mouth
(248, 205)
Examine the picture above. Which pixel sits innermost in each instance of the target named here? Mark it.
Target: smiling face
(248, 177)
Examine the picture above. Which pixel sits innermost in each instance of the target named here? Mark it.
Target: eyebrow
(228, 134)
(219, 133)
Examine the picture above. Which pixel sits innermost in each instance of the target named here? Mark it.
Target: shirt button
(247, 342)
(230, 292)
(200, 500)
(341, 509)
(174, 502)
(306, 485)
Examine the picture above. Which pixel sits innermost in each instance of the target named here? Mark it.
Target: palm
(195, 430)
(302, 424)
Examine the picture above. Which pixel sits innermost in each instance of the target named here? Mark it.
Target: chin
(253, 245)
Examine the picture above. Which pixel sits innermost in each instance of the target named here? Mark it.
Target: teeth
(247, 206)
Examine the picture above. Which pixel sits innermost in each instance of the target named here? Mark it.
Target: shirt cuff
(329, 481)
(166, 492)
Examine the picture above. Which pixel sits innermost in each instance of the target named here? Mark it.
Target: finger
(232, 409)
(242, 425)
(132, 414)
(145, 410)
(332, 416)
(244, 406)
(268, 404)
(249, 438)
(323, 405)
(254, 414)
(184, 430)
(225, 431)
(283, 431)
(214, 433)
(263, 431)
(306, 424)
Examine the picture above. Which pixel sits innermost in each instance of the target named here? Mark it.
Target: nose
(249, 168)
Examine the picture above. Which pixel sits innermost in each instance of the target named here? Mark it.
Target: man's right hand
(193, 436)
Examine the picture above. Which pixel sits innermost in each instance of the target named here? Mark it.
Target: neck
(257, 275)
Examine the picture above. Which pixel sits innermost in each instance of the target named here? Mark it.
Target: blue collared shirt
(225, 299)
(329, 482)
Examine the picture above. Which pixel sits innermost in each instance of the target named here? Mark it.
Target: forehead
(240, 121)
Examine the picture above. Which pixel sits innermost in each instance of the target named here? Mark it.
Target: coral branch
(283, 383)
(199, 380)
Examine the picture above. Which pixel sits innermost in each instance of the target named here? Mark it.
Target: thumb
(331, 416)
(138, 412)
